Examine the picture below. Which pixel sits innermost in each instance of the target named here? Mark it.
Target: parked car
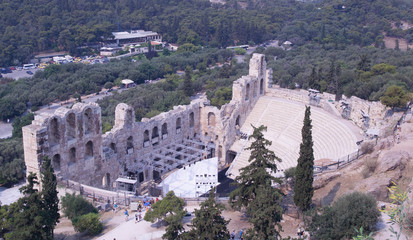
(29, 72)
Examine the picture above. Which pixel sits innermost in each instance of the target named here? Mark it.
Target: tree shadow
(329, 198)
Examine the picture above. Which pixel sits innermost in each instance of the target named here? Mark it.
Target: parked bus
(28, 66)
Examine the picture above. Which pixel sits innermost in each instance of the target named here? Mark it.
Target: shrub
(88, 222)
(75, 205)
(370, 165)
(353, 211)
(367, 147)
(289, 173)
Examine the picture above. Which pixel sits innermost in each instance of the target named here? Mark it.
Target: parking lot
(16, 74)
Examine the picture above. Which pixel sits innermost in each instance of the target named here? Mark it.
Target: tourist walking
(126, 215)
(240, 234)
(233, 235)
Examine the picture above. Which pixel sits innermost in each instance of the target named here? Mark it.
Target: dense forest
(31, 26)
(59, 82)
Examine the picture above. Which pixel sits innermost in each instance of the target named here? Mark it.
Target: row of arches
(89, 153)
(155, 135)
(70, 122)
(254, 92)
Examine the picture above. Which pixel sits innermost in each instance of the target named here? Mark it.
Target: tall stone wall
(73, 138)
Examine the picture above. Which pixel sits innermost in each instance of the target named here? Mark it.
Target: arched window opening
(88, 119)
(247, 92)
(54, 132)
(129, 145)
(237, 123)
(219, 151)
(191, 120)
(56, 162)
(129, 117)
(89, 149)
(262, 86)
(164, 131)
(146, 138)
(211, 119)
(106, 180)
(71, 126)
(113, 147)
(72, 156)
(155, 136)
(178, 125)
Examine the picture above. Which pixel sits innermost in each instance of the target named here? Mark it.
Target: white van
(28, 66)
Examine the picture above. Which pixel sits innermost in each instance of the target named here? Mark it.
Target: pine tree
(265, 214)
(262, 160)
(188, 82)
(303, 187)
(169, 209)
(50, 198)
(26, 220)
(208, 222)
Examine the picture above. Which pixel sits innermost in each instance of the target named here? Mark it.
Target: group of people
(241, 234)
(143, 205)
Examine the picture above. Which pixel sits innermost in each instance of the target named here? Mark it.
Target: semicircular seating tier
(333, 136)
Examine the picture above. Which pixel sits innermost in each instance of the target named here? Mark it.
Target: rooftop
(133, 34)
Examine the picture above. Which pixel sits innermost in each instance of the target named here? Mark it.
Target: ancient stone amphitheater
(148, 150)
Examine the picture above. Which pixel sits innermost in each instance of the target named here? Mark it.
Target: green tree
(27, 214)
(395, 96)
(349, 213)
(49, 197)
(208, 223)
(20, 122)
(303, 187)
(188, 89)
(170, 210)
(265, 214)
(89, 222)
(258, 172)
(75, 205)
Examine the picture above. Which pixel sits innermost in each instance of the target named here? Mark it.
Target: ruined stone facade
(144, 150)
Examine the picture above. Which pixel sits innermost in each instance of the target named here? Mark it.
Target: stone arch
(56, 162)
(89, 149)
(247, 92)
(191, 120)
(106, 180)
(54, 131)
(113, 147)
(211, 119)
(88, 120)
(155, 132)
(145, 138)
(129, 145)
(237, 122)
(254, 93)
(164, 130)
(262, 86)
(71, 126)
(72, 156)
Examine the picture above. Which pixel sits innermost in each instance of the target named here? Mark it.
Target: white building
(136, 36)
(193, 180)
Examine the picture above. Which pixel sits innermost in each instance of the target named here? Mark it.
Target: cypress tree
(303, 187)
(50, 198)
(188, 82)
(208, 222)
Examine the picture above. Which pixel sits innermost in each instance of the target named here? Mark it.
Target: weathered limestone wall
(73, 138)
